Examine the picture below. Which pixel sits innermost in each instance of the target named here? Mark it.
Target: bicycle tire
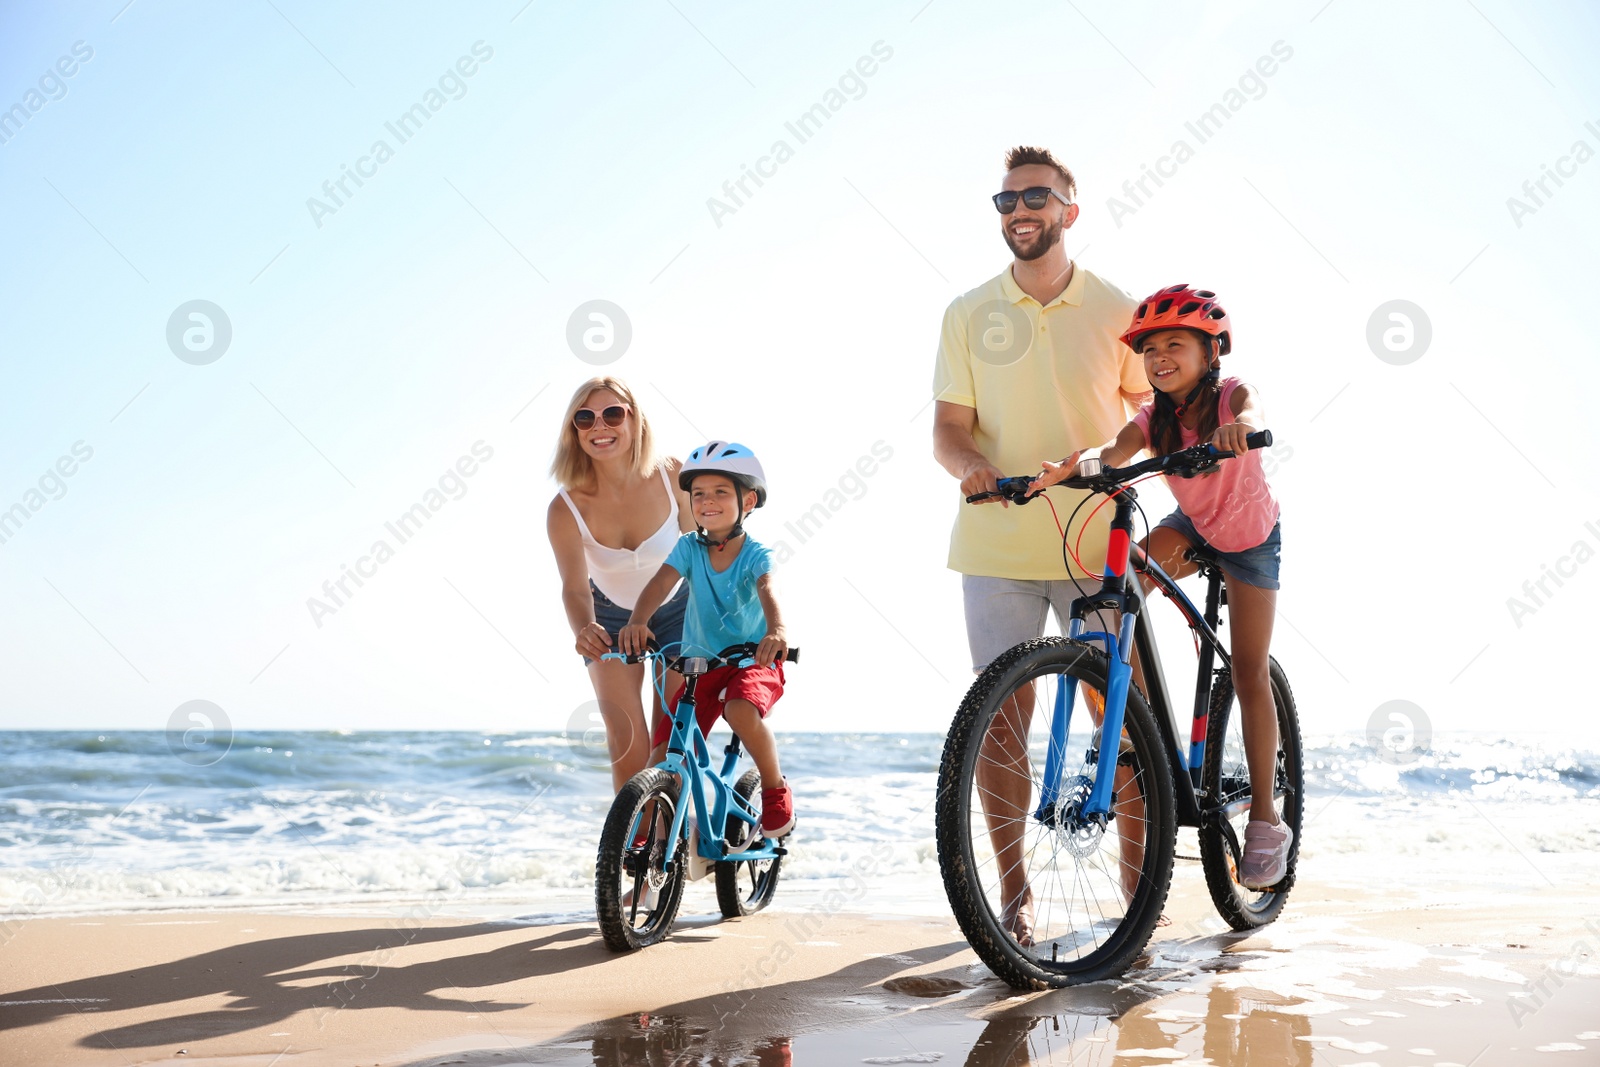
(645, 805)
(746, 887)
(1225, 780)
(1066, 870)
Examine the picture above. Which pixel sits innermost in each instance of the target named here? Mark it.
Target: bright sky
(162, 153)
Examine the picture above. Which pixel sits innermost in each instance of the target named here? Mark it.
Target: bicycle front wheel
(1055, 898)
(636, 893)
(1225, 795)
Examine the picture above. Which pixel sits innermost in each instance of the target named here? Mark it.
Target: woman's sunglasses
(1036, 198)
(583, 418)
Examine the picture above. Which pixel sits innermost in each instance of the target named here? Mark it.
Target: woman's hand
(773, 647)
(634, 638)
(593, 641)
(1056, 472)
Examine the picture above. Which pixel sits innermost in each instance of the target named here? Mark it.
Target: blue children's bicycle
(1057, 847)
(644, 848)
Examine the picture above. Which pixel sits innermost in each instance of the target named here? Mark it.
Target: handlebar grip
(1259, 439)
(746, 651)
(650, 648)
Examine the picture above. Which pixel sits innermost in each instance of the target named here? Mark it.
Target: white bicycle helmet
(728, 458)
(735, 461)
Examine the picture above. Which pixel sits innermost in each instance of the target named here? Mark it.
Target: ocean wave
(1483, 767)
(118, 820)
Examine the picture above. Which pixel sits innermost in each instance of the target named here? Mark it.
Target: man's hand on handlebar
(634, 638)
(983, 479)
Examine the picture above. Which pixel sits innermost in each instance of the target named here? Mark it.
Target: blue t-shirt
(723, 607)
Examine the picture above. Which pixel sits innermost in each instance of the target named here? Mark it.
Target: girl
(1182, 334)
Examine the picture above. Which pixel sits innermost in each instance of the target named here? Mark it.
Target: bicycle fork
(1119, 651)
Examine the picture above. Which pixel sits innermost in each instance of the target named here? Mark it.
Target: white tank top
(621, 573)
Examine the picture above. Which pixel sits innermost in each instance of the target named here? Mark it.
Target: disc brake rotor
(656, 876)
(651, 858)
(1078, 835)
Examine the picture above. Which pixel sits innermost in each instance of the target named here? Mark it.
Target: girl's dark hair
(1165, 436)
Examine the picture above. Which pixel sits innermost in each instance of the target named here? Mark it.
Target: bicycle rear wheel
(1225, 796)
(1096, 891)
(636, 894)
(745, 888)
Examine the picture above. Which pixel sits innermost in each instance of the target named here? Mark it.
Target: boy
(730, 602)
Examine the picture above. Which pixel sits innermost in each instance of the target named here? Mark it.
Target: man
(1030, 367)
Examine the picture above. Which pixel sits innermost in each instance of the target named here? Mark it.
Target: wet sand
(1435, 974)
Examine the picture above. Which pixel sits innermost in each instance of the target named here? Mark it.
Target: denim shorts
(1256, 566)
(666, 623)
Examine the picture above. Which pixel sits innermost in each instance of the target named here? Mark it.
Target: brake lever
(1016, 489)
(1193, 461)
(1013, 489)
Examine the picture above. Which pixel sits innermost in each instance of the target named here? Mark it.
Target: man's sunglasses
(583, 418)
(1036, 198)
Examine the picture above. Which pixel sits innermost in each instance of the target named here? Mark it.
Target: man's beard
(1043, 241)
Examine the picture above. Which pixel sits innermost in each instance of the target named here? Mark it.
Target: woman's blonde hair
(572, 466)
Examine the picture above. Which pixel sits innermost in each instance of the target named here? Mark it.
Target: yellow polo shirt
(1045, 381)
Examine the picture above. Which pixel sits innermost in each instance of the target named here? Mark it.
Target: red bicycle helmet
(1180, 307)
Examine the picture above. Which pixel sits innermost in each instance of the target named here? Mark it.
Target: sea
(506, 825)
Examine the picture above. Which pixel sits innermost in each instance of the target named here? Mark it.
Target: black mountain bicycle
(1036, 810)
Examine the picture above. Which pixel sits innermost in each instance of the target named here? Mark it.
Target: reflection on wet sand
(1239, 1027)
(654, 1040)
(1087, 1025)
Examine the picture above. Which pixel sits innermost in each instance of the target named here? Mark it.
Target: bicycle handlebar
(733, 654)
(747, 650)
(1013, 489)
(1184, 463)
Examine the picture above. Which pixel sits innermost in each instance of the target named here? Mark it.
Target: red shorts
(761, 686)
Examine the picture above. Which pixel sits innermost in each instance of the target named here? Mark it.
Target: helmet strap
(705, 538)
(1211, 377)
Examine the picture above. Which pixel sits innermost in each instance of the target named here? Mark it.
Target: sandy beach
(1422, 974)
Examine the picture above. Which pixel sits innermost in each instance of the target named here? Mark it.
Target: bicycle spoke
(1060, 868)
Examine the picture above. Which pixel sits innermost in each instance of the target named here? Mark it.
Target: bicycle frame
(1123, 592)
(689, 758)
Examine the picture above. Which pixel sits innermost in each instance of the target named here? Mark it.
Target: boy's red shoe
(777, 811)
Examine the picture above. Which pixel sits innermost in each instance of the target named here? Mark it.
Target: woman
(617, 516)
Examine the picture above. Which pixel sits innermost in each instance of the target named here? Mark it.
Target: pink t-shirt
(1233, 508)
